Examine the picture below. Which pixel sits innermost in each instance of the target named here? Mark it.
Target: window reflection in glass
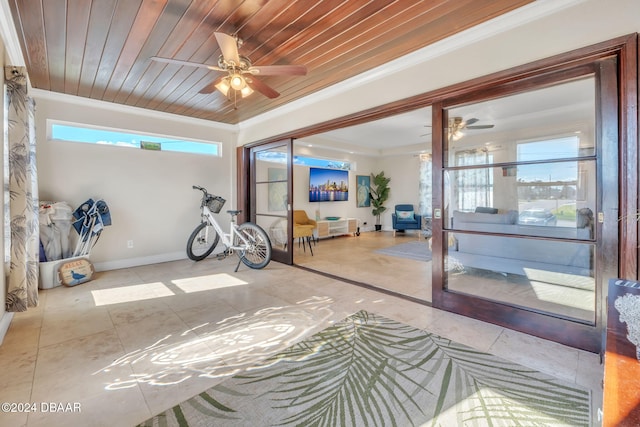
(520, 196)
(549, 200)
(548, 276)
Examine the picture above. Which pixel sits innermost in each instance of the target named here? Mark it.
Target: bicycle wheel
(258, 254)
(202, 242)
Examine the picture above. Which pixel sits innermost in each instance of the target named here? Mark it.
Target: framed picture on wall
(362, 192)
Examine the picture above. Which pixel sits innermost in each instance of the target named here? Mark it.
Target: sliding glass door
(271, 195)
(524, 202)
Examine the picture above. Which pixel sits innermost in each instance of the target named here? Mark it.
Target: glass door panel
(520, 197)
(271, 173)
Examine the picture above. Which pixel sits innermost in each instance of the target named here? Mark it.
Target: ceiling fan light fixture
(246, 91)
(224, 86)
(237, 82)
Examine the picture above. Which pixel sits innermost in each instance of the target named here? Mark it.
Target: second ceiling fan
(457, 124)
(239, 74)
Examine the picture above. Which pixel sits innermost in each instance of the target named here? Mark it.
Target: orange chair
(303, 227)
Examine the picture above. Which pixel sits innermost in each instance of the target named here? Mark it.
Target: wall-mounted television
(328, 185)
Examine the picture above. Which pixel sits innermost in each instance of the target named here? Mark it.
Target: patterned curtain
(425, 191)
(474, 187)
(22, 186)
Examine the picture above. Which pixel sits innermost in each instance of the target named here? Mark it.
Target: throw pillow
(405, 215)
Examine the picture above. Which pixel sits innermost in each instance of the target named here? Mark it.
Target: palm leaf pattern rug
(367, 370)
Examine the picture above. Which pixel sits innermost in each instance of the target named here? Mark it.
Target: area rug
(418, 251)
(368, 370)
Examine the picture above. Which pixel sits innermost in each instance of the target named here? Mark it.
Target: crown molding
(10, 36)
(161, 115)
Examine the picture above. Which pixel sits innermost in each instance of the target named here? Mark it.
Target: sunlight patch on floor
(130, 293)
(562, 279)
(566, 296)
(207, 283)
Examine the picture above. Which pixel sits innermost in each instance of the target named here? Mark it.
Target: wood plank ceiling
(100, 49)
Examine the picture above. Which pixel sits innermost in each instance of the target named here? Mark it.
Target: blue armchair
(405, 218)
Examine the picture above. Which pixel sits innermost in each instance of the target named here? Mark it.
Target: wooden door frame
(556, 328)
(245, 191)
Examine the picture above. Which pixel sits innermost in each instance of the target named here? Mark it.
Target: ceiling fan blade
(229, 47)
(187, 63)
(279, 70)
(211, 87)
(480, 127)
(256, 84)
(471, 121)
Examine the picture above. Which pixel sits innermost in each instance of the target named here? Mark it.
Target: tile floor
(137, 341)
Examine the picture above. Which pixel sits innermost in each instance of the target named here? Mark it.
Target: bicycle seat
(233, 212)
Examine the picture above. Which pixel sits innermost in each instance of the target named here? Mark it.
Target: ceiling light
(224, 86)
(246, 91)
(237, 82)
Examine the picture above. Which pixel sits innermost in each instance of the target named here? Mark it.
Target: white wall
(149, 193)
(364, 165)
(404, 172)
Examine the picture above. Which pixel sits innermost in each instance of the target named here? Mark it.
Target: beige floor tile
(63, 297)
(108, 279)
(170, 372)
(14, 419)
(77, 320)
(75, 369)
(122, 407)
(549, 357)
(142, 324)
(476, 334)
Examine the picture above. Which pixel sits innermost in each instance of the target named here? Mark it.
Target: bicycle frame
(227, 238)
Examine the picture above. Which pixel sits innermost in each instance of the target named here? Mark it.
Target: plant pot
(378, 227)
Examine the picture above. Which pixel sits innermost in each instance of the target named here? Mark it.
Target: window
(279, 157)
(557, 148)
(120, 138)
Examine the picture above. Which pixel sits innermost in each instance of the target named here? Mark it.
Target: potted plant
(379, 194)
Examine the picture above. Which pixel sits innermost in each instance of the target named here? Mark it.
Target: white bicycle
(248, 240)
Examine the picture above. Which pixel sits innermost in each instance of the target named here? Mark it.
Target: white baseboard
(5, 321)
(136, 262)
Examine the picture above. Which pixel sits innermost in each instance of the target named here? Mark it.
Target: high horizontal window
(279, 157)
(121, 138)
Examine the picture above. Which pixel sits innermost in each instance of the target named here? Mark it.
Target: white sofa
(518, 255)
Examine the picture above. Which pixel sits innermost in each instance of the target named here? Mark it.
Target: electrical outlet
(129, 244)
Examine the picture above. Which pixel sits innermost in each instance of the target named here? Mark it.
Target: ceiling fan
(457, 124)
(239, 74)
